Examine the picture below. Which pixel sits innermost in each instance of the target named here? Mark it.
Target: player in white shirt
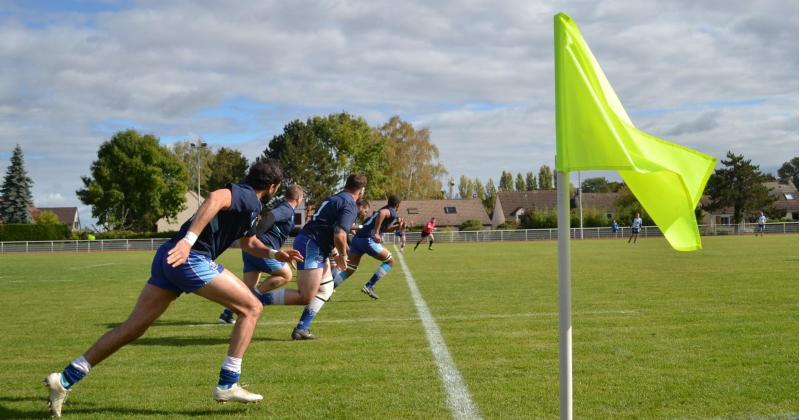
(636, 225)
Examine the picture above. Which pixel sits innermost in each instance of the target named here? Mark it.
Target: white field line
(458, 397)
(90, 266)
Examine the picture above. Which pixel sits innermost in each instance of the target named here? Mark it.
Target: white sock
(278, 296)
(233, 364)
(315, 305)
(82, 364)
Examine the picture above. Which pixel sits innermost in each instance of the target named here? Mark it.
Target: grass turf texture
(656, 334)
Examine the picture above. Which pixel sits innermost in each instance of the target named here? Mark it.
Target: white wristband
(190, 237)
(272, 253)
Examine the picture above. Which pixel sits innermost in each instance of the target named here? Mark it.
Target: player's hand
(377, 238)
(341, 262)
(179, 253)
(289, 256)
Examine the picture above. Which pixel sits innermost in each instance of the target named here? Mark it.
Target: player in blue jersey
(636, 225)
(185, 264)
(276, 224)
(323, 237)
(368, 240)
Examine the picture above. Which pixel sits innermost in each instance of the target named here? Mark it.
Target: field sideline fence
(411, 237)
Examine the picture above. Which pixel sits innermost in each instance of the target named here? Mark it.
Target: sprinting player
(635, 226)
(762, 224)
(427, 232)
(325, 235)
(185, 264)
(276, 225)
(614, 228)
(368, 240)
(363, 209)
(401, 234)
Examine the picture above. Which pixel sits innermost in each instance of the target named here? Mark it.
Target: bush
(47, 217)
(471, 224)
(128, 234)
(508, 225)
(23, 232)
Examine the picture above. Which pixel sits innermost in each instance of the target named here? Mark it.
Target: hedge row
(23, 232)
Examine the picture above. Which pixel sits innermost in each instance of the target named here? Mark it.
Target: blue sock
(339, 278)
(227, 378)
(306, 318)
(382, 270)
(70, 376)
(265, 298)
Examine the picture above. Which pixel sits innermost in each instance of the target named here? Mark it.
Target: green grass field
(656, 333)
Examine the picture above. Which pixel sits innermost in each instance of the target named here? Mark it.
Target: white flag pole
(564, 297)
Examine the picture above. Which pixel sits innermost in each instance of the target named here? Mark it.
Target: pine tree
(15, 194)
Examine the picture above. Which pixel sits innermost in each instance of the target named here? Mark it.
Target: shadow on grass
(191, 341)
(10, 413)
(172, 323)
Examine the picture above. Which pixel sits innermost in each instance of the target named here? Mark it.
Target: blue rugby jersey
(368, 228)
(284, 223)
(335, 211)
(228, 225)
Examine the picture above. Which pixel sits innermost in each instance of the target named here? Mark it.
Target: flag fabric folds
(593, 132)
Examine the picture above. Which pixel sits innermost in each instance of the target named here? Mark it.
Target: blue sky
(712, 75)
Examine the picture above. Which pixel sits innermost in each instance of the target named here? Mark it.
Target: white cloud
(473, 72)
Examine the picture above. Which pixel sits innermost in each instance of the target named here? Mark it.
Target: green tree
(480, 192)
(356, 148)
(412, 161)
(506, 182)
(627, 206)
(739, 184)
(15, 193)
(489, 196)
(545, 178)
(519, 182)
(788, 172)
(595, 185)
(194, 157)
(306, 160)
(47, 217)
(530, 181)
(228, 166)
(465, 187)
(134, 182)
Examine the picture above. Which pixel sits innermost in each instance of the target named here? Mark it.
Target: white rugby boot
(58, 394)
(236, 394)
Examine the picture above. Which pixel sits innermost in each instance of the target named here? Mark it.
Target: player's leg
(226, 289)
(308, 283)
(430, 242)
(387, 262)
(421, 238)
(266, 292)
(358, 246)
(152, 302)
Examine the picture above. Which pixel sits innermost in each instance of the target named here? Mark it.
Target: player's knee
(251, 308)
(389, 260)
(325, 290)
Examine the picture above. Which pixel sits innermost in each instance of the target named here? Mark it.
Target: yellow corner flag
(594, 132)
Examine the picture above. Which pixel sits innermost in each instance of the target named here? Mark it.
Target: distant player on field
(427, 232)
(614, 228)
(762, 224)
(185, 264)
(275, 224)
(401, 233)
(368, 240)
(323, 237)
(636, 225)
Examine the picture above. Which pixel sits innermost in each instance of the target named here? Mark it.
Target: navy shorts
(313, 257)
(635, 230)
(361, 246)
(196, 272)
(264, 265)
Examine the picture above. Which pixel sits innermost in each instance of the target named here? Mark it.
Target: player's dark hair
(264, 173)
(293, 192)
(355, 182)
(362, 203)
(393, 201)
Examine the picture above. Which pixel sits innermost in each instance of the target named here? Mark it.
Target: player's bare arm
(218, 200)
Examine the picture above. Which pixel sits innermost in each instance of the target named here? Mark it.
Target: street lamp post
(198, 147)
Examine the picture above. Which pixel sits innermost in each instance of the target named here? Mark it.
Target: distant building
(167, 225)
(66, 215)
(786, 203)
(511, 205)
(450, 213)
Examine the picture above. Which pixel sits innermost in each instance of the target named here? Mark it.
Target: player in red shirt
(427, 232)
